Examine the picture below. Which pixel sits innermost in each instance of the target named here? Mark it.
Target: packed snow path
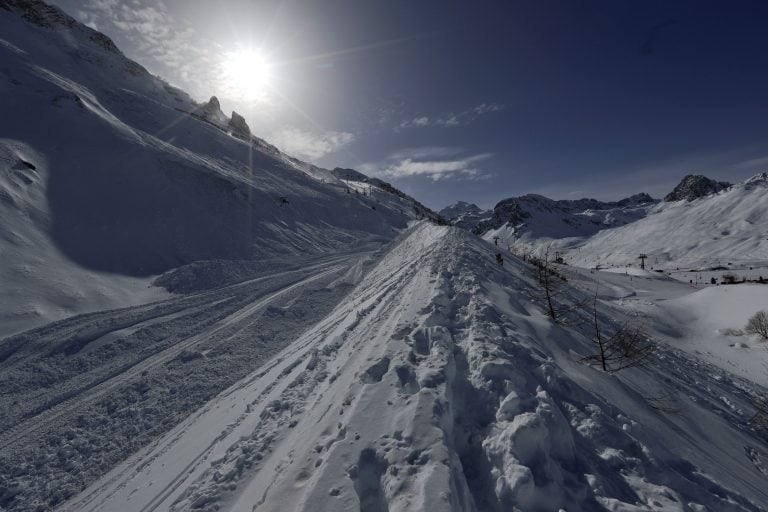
(438, 384)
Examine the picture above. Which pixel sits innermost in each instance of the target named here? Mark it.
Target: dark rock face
(238, 125)
(695, 186)
(211, 112)
(213, 105)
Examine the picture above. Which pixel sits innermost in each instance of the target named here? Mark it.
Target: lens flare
(246, 74)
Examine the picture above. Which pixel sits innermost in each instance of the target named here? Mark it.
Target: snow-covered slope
(39, 281)
(711, 231)
(438, 384)
(107, 170)
(709, 225)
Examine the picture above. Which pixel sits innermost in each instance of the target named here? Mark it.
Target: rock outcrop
(238, 126)
(694, 186)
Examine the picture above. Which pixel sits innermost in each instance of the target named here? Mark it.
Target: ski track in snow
(91, 393)
(223, 316)
(428, 387)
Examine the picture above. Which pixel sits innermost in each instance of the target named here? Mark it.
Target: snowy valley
(191, 319)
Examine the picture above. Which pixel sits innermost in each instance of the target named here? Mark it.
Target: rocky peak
(694, 186)
(761, 178)
(238, 125)
(213, 104)
(211, 112)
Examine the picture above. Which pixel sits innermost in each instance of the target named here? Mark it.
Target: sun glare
(247, 74)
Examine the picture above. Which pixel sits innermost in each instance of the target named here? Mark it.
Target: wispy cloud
(309, 145)
(168, 46)
(433, 162)
(451, 119)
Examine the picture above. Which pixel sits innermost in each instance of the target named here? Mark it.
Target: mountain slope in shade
(459, 208)
(465, 215)
(130, 177)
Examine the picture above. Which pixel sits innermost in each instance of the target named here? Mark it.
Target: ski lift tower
(496, 240)
(642, 258)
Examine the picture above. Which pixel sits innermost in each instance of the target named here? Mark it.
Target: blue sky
(481, 100)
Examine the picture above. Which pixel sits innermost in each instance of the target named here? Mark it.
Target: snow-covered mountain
(465, 215)
(110, 176)
(533, 216)
(701, 223)
(710, 231)
(459, 208)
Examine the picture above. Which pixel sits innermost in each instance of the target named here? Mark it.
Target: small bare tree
(551, 280)
(553, 292)
(629, 346)
(758, 324)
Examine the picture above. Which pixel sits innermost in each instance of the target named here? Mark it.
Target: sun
(246, 74)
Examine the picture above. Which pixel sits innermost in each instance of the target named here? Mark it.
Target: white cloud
(486, 108)
(425, 153)
(451, 120)
(308, 145)
(435, 163)
(166, 45)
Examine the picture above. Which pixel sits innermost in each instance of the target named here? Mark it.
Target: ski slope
(439, 384)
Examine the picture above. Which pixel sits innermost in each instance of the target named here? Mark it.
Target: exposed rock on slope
(238, 126)
(694, 186)
(212, 113)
